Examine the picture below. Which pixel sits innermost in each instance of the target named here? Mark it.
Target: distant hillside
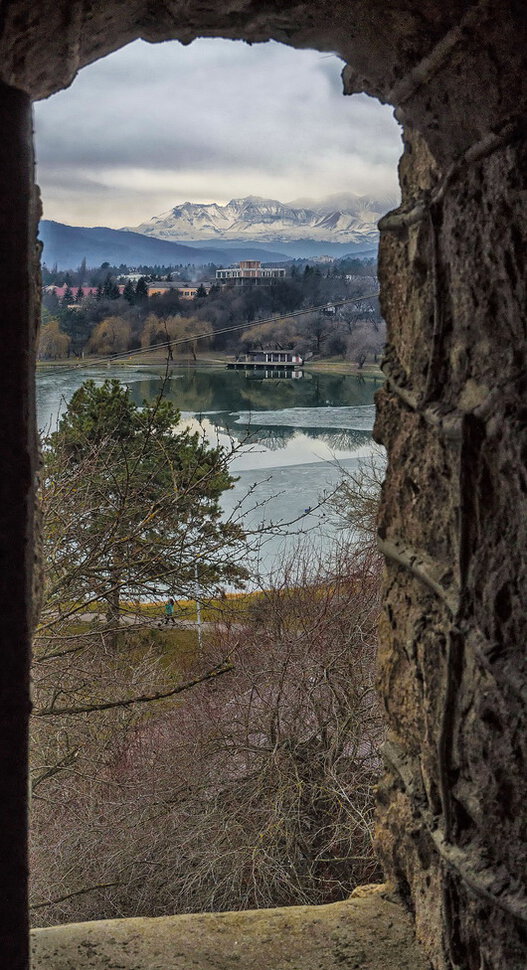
(349, 221)
(67, 246)
(303, 249)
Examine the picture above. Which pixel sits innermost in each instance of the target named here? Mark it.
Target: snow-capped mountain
(338, 219)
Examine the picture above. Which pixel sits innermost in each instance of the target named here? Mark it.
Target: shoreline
(324, 365)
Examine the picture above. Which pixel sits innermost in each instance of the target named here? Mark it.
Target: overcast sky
(152, 126)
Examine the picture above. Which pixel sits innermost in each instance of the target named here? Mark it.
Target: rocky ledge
(370, 931)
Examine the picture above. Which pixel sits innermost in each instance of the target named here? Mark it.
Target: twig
(78, 892)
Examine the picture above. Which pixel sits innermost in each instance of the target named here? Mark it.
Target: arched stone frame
(453, 529)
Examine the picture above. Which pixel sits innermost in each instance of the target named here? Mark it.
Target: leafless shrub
(355, 502)
(252, 790)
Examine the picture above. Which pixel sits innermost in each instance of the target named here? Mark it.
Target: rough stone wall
(453, 417)
(454, 529)
(390, 44)
(18, 284)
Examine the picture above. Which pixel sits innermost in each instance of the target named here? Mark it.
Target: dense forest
(103, 312)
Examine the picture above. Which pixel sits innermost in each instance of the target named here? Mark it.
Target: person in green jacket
(169, 612)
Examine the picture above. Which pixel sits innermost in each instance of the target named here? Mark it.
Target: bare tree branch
(140, 699)
(78, 892)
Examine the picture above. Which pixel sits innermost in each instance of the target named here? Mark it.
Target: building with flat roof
(185, 291)
(249, 272)
(278, 360)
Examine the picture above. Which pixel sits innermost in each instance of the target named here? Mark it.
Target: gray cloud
(155, 125)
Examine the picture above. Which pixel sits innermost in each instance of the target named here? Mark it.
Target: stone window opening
(39, 893)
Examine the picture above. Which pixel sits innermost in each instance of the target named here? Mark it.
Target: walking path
(134, 619)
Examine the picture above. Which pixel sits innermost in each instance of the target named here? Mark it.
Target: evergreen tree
(132, 501)
(129, 292)
(77, 325)
(141, 290)
(110, 290)
(68, 297)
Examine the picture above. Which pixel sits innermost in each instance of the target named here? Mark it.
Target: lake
(293, 437)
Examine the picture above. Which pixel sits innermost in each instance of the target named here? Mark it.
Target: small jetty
(277, 361)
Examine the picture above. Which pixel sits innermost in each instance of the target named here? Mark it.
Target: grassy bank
(335, 365)
(230, 608)
(327, 365)
(219, 610)
(153, 358)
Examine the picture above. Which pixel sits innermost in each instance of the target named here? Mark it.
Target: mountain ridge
(257, 219)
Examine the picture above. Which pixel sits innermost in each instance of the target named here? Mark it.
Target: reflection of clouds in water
(283, 447)
(344, 440)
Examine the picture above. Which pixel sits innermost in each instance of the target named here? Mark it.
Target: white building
(249, 271)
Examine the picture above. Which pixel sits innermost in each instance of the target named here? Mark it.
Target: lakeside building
(276, 360)
(249, 272)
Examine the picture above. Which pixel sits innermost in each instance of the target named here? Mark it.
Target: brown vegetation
(252, 790)
(53, 343)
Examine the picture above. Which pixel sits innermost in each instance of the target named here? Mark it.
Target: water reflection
(275, 437)
(212, 391)
(305, 420)
(293, 437)
(205, 390)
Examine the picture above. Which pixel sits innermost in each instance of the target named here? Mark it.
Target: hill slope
(67, 246)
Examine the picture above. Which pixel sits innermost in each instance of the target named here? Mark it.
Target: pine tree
(129, 292)
(141, 290)
(142, 501)
(110, 290)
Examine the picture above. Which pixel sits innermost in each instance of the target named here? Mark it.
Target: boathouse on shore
(279, 359)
